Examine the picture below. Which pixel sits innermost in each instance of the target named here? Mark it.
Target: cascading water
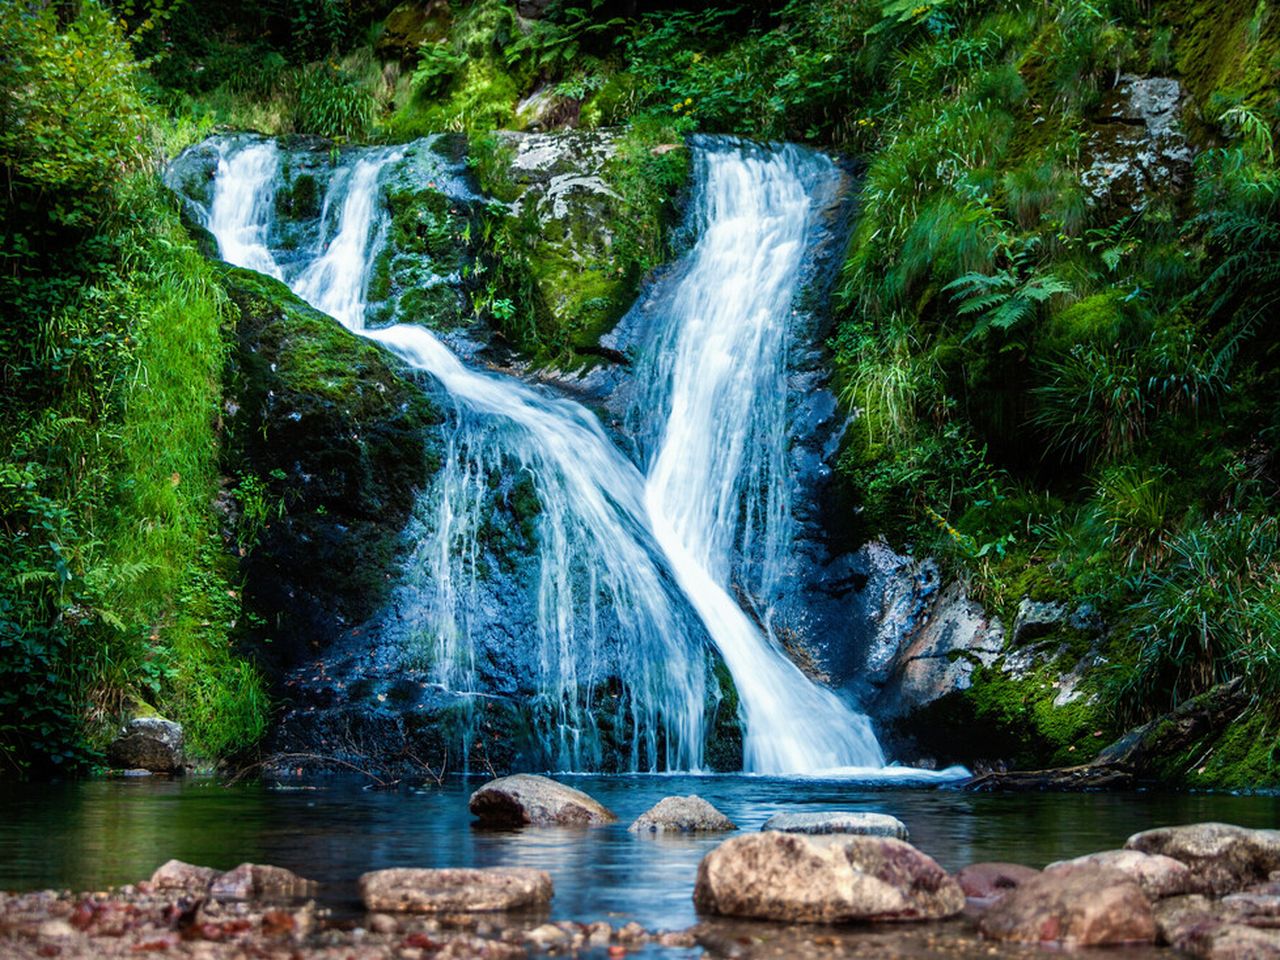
(633, 569)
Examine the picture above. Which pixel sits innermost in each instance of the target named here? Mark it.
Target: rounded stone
(148, 743)
(989, 881)
(689, 814)
(528, 799)
(839, 822)
(407, 890)
(1224, 857)
(1083, 906)
(1158, 876)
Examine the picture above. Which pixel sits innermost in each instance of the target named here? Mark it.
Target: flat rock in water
(148, 743)
(1158, 876)
(682, 815)
(839, 822)
(988, 881)
(250, 881)
(828, 879)
(455, 891)
(177, 875)
(525, 798)
(1224, 857)
(1077, 906)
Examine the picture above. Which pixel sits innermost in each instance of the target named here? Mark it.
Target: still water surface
(105, 832)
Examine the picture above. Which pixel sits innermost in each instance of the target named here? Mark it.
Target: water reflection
(89, 835)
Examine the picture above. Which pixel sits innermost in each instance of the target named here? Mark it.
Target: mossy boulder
(343, 436)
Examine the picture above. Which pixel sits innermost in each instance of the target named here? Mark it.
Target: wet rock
(988, 881)
(1232, 941)
(177, 875)
(1136, 147)
(1084, 778)
(856, 824)
(689, 814)
(1077, 906)
(255, 880)
(833, 879)
(405, 890)
(1176, 916)
(526, 798)
(148, 743)
(1157, 875)
(1035, 620)
(1226, 858)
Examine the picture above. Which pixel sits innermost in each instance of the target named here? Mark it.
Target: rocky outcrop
(1036, 619)
(989, 881)
(1079, 907)
(1157, 875)
(794, 878)
(1135, 148)
(410, 25)
(851, 824)
(455, 891)
(148, 743)
(526, 799)
(682, 815)
(1225, 858)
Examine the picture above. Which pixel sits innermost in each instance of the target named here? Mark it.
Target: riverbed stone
(689, 814)
(823, 879)
(1226, 858)
(839, 822)
(407, 890)
(177, 875)
(1081, 906)
(529, 799)
(1158, 875)
(1232, 941)
(251, 881)
(148, 743)
(989, 881)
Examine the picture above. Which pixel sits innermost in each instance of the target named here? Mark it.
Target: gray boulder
(405, 890)
(842, 822)
(1035, 620)
(1224, 857)
(1076, 906)
(682, 815)
(528, 799)
(148, 743)
(832, 879)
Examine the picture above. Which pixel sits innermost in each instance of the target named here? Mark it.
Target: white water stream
(647, 547)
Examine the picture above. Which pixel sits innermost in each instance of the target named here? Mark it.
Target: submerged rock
(855, 824)
(683, 815)
(251, 881)
(148, 743)
(526, 798)
(455, 891)
(1079, 906)
(1224, 857)
(989, 881)
(1159, 876)
(836, 879)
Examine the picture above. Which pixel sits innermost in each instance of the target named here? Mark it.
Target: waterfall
(635, 568)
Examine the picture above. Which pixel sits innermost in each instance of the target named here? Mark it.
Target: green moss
(1246, 756)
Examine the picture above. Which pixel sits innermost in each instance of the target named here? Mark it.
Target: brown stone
(251, 881)
(825, 879)
(988, 881)
(405, 890)
(1076, 906)
(1224, 857)
(177, 875)
(1158, 876)
(529, 799)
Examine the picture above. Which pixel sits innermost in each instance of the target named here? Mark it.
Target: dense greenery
(1063, 396)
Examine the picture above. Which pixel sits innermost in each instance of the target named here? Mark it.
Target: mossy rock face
(346, 439)
(410, 25)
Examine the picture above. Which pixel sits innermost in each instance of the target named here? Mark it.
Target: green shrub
(331, 103)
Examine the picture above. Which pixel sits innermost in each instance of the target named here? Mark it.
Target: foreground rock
(853, 824)
(682, 815)
(455, 891)
(527, 799)
(148, 743)
(1157, 875)
(1224, 857)
(989, 881)
(1238, 927)
(1084, 906)
(833, 879)
(257, 880)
